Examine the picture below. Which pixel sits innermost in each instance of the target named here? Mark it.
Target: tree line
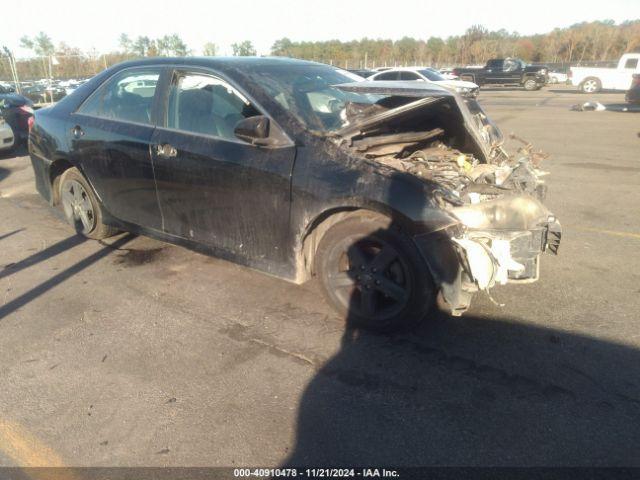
(583, 42)
(593, 41)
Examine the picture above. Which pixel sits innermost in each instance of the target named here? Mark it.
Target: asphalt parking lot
(134, 352)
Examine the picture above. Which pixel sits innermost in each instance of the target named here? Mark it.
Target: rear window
(631, 63)
(387, 76)
(128, 97)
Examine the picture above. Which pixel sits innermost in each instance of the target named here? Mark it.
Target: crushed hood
(485, 133)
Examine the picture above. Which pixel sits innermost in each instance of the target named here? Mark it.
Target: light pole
(13, 68)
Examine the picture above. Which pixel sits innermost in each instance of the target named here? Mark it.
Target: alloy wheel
(77, 206)
(370, 278)
(590, 86)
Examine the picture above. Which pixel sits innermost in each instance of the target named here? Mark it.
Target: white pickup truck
(592, 80)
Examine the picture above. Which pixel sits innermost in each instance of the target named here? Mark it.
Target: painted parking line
(24, 448)
(615, 233)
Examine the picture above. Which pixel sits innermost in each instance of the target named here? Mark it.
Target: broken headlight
(520, 212)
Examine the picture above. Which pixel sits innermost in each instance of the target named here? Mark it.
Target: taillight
(31, 121)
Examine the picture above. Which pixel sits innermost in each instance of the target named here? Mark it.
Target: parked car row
(44, 90)
(468, 80)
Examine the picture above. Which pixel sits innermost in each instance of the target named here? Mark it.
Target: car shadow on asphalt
(472, 391)
(19, 150)
(4, 173)
(10, 234)
(64, 245)
(502, 89)
(575, 90)
(51, 251)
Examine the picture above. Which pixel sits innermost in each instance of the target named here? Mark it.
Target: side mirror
(254, 130)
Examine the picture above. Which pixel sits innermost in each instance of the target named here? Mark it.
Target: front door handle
(166, 150)
(77, 132)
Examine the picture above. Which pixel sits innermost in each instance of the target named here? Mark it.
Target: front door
(110, 134)
(214, 188)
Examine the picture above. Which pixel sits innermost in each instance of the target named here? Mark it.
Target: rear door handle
(77, 132)
(166, 150)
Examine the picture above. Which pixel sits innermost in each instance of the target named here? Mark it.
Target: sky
(91, 24)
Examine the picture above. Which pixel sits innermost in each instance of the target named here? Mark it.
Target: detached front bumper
(493, 257)
(471, 261)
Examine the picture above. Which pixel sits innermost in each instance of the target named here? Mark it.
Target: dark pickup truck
(507, 71)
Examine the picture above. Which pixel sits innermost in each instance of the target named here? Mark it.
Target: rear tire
(373, 273)
(590, 85)
(530, 85)
(81, 206)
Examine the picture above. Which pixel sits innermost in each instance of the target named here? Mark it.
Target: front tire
(590, 85)
(373, 273)
(81, 206)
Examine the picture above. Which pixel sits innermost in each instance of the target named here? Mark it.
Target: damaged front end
(501, 241)
(499, 225)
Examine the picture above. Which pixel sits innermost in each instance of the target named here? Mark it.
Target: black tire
(530, 85)
(590, 85)
(81, 206)
(373, 274)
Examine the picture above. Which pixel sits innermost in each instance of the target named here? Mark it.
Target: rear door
(110, 135)
(512, 71)
(214, 188)
(493, 71)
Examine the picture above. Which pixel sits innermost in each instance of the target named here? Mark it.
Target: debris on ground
(599, 107)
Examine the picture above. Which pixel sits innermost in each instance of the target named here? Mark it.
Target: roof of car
(219, 62)
(394, 69)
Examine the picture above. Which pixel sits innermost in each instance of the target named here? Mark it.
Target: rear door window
(126, 97)
(409, 76)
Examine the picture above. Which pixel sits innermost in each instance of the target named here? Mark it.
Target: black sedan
(633, 94)
(17, 112)
(391, 193)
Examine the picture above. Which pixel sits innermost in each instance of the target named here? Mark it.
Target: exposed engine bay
(501, 225)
